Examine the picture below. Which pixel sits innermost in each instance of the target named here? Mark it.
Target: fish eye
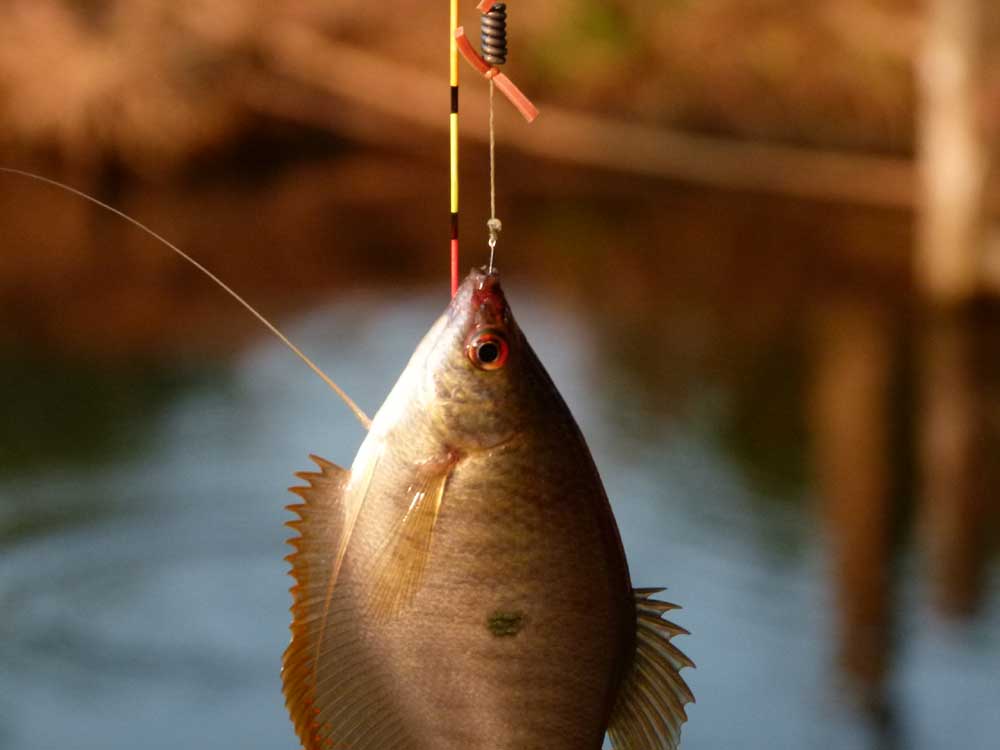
(487, 349)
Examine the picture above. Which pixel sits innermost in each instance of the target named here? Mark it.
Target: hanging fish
(464, 584)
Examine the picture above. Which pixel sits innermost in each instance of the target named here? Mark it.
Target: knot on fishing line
(494, 225)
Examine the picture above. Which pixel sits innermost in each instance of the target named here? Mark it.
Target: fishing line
(493, 225)
(493, 33)
(493, 37)
(358, 413)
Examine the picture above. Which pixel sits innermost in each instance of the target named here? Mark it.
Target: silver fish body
(464, 585)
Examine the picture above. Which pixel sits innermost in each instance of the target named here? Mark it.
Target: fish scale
(476, 591)
(464, 584)
(498, 547)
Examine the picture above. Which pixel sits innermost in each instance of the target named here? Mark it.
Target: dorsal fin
(337, 695)
(649, 710)
(320, 526)
(358, 413)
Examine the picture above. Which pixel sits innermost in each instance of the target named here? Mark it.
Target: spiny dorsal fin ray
(319, 527)
(358, 413)
(333, 689)
(649, 710)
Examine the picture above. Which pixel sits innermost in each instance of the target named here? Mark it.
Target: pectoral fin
(649, 711)
(401, 561)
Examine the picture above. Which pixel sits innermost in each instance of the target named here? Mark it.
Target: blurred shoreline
(287, 236)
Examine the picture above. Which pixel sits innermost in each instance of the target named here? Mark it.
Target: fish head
(479, 367)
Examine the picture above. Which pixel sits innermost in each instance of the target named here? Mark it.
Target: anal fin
(649, 710)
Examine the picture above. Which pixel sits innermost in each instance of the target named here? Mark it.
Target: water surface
(765, 447)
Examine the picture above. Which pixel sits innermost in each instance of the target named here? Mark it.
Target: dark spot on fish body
(503, 624)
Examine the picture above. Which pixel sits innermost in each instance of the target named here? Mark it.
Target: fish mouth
(487, 304)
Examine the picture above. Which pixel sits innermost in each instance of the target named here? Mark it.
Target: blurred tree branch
(373, 82)
(149, 83)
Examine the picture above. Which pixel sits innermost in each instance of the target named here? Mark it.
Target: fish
(464, 584)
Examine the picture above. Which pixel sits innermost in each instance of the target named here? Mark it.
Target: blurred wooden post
(850, 416)
(954, 153)
(954, 457)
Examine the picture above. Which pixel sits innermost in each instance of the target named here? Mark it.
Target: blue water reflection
(152, 612)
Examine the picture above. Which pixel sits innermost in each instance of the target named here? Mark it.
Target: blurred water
(144, 599)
